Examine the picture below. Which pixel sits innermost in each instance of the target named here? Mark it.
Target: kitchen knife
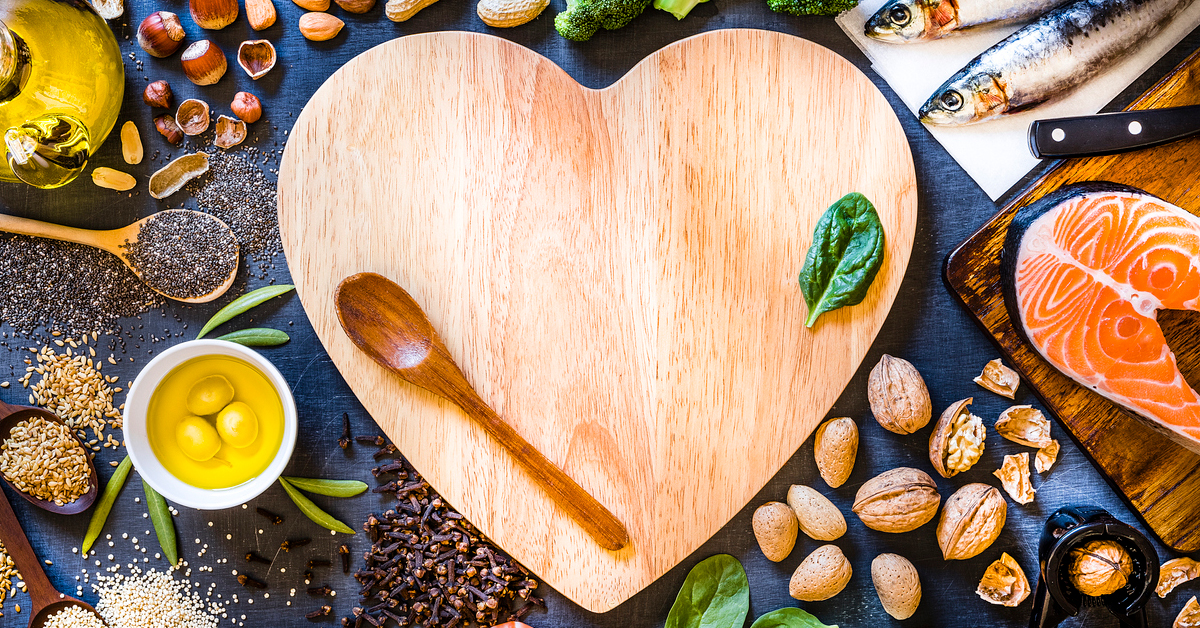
(1109, 133)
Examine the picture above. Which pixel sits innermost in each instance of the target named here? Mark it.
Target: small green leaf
(104, 506)
(256, 337)
(331, 488)
(845, 255)
(244, 303)
(789, 618)
(164, 525)
(715, 594)
(312, 511)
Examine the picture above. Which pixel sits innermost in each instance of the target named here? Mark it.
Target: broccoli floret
(811, 7)
(583, 18)
(678, 8)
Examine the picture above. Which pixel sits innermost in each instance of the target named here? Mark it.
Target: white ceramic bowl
(137, 441)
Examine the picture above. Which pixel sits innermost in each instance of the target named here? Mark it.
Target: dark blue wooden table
(925, 326)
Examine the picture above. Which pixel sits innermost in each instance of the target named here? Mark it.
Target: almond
(317, 26)
(897, 584)
(818, 517)
(822, 575)
(835, 447)
(775, 529)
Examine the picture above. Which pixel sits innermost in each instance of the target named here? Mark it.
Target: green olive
(209, 395)
(238, 425)
(197, 438)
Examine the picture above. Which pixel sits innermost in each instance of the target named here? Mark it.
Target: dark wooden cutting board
(1160, 479)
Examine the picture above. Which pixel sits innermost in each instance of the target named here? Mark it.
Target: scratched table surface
(925, 326)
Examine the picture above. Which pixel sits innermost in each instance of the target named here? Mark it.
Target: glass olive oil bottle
(61, 85)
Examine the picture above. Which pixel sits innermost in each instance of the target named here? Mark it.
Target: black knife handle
(1109, 133)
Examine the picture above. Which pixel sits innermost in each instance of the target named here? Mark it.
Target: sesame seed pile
(73, 617)
(238, 191)
(8, 573)
(73, 387)
(43, 459)
(73, 288)
(153, 600)
(183, 254)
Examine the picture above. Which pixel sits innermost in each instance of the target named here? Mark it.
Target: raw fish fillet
(1087, 268)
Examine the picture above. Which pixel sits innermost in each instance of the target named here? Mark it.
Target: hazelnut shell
(230, 132)
(256, 57)
(203, 62)
(160, 34)
(192, 116)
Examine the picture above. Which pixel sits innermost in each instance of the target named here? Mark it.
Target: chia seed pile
(183, 254)
(237, 191)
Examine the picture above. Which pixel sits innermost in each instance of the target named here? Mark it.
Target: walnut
(1100, 567)
(1046, 457)
(1014, 476)
(899, 500)
(999, 379)
(971, 521)
(1174, 573)
(956, 443)
(1004, 583)
(1189, 616)
(898, 396)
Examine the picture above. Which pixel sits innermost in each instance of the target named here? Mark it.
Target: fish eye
(899, 15)
(951, 101)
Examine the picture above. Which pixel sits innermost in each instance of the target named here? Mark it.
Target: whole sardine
(1059, 51)
(907, 21)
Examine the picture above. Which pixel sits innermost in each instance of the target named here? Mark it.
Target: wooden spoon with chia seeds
(181, 254)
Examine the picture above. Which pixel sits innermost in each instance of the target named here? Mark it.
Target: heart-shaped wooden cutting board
(614, 270)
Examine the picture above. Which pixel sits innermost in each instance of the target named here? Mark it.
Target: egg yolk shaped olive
(209, 395)
(197, 438)
(237, 424)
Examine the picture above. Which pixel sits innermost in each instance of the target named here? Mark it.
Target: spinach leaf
(715, 594)
(845, 255)
(788, 618)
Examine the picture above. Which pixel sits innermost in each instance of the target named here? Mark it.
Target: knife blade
(1110, 133)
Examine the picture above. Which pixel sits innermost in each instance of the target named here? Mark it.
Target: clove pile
(429, 567)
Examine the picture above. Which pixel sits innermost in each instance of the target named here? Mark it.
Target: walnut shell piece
(1189, 615)
(971, 521)
(1014, 477)
(899, 500)
(957, 440)
(822, 575)
(775, 528)
(1004, 583)
(818, 517)
(999, 379)
(835, 447)
(1024, 425)
(1100, 567)
(1175, 572)
(1046, 457)
(230, 132)
(897, 584)
(898, 396)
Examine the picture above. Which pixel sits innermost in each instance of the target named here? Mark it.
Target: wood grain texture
(1160, 478)
(614, 270)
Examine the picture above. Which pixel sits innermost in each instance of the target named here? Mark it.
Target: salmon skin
(1086, 269)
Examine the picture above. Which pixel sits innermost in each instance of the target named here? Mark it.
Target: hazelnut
(160, 34)
(355, 6)
(192, 116)
(168, 128)
(256, 57)
(203, 62)
(320, 26)
(230, 132)
(247, 107)
(213, 14)
(158, 94)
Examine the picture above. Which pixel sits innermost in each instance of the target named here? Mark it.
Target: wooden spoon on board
(117, 241)
(383, 320)
(45, 598)
(10, 416)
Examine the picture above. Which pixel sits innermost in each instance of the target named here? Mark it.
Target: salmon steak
(1086, 270)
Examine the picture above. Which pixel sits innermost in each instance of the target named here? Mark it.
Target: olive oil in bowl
(215, 422)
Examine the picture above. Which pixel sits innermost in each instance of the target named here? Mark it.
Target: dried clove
(320, 591)
(324, 611)
(249, 582)
(318, 562)
(387, 450)
(274, 518)
(344, 441)
(253, 557)
(308, 576)
(378, 441)
(344, 550)
(291, 544)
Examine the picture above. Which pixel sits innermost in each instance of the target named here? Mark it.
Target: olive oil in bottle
(61, 85)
